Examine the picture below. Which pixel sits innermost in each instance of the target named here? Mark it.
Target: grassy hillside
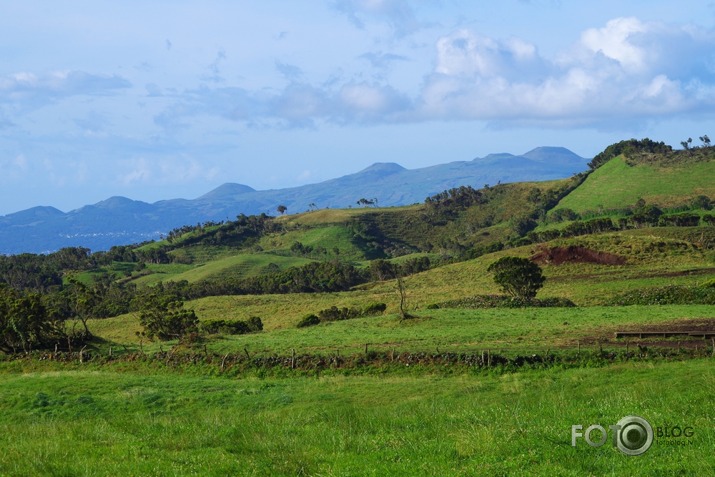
(653, 257)
(618, 184)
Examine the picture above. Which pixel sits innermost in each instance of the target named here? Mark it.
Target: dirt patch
(575, 254)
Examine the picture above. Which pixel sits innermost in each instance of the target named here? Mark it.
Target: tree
(404, 315)
(518, 277)
(163, 316)
(282, 209)
(25, 323)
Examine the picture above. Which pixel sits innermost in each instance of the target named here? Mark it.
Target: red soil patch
(575, 254)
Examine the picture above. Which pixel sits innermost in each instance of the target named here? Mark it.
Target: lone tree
(282, 209)
(519, 277)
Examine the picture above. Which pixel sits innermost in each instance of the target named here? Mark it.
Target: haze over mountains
(119, 220)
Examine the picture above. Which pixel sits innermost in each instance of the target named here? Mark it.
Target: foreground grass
(139, 421)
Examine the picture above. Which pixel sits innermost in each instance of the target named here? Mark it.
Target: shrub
(255, 324)
(668, 295)
(167, 320)
(502, 301)
(374, 309)
(310, 320)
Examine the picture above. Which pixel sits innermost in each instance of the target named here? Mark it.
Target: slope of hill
(665, 182)
(120, 220)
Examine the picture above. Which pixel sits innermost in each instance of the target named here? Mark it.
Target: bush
(502, 301)
(167, 320)
(237, 327)
(310, 320)
(255, 324)
(374, 309)
(338, 314)
(668, 295)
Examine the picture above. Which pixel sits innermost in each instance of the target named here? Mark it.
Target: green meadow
(142, 421)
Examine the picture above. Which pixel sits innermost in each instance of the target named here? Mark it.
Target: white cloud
(616, 41)
(626, 69)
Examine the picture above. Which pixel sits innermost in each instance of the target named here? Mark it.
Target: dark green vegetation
(519, 277)
(309, 312)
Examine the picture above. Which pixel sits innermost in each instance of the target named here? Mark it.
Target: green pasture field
(503, 331)
(133, 419)
(616, 184)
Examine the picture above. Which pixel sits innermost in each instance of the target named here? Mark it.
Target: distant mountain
(119, 220)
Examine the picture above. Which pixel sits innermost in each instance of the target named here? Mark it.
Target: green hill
(621, 182)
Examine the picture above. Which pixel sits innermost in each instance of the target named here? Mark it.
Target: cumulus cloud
(624, 69)
(627, 68)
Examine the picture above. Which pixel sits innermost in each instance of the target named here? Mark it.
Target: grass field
(142, 421)
(616, 184)
(508, 331)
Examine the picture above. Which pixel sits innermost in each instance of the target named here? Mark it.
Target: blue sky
(160, 99)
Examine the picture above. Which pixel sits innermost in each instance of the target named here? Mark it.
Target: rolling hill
(120, 220)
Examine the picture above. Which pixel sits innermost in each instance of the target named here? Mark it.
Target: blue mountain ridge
(120, 220)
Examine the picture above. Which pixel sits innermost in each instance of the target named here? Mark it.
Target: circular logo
(635, 435)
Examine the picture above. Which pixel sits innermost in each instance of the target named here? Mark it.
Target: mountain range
(119, 220)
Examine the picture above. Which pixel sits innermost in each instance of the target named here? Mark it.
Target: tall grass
(146, 422)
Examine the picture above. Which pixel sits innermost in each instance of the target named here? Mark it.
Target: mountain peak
(115, 202)
(384, 168)
(227, 191)
(549, 153)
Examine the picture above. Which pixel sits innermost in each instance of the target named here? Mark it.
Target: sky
(159, 99)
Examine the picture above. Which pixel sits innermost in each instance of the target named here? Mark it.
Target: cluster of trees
(688, 144)
(456, 199)
(367, 202)
(329, 276)
(629, 147)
